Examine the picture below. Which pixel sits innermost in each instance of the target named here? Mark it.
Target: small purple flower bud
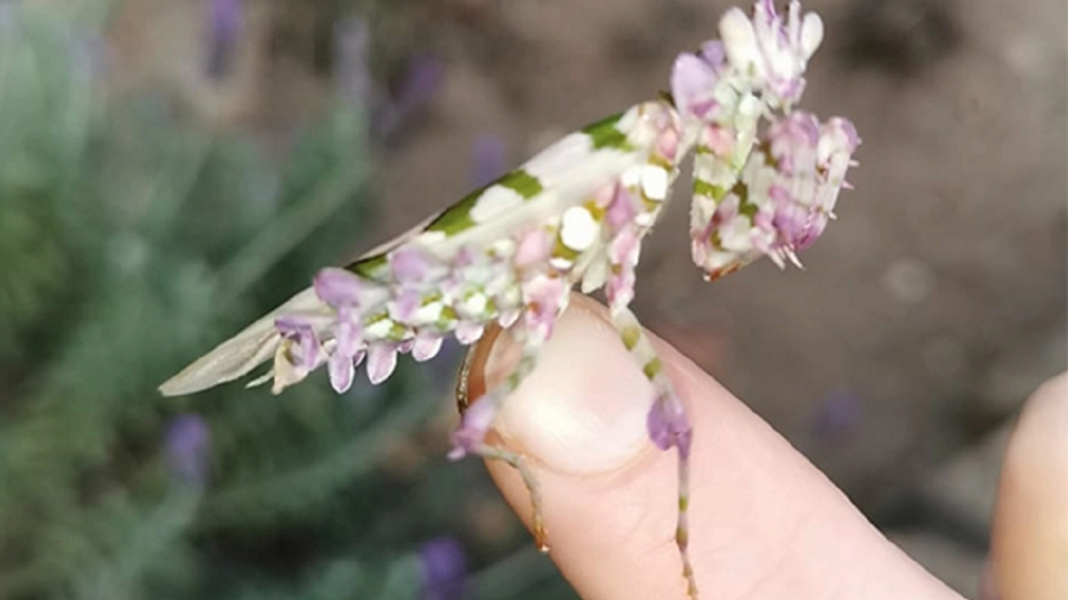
(839, 415)
(225, 23)
(421, 83)
(444, 570)
(488, 158)
(186, 447)
(352, 47)
(424, 78)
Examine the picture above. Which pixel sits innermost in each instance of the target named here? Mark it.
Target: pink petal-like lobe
(381, 361)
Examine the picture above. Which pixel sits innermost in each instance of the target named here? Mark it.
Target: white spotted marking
(596, 274)
(561, 263)
(578, 229)
(429, 312)
(475, 303)
(431, 238)
(655, 183)
(378, 329)
(631, 178)
(505, 247)
(493, 202)
(560, 157)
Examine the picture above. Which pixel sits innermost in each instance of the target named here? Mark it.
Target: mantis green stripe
(745, 207)
(652, 368)
(457, 218)
(704, 188)
(605, 134)
(522, 183)
(370, 267)
(717, 193)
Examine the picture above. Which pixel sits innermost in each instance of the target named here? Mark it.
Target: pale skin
(765, 523)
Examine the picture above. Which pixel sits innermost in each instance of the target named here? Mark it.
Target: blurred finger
(1030, 533)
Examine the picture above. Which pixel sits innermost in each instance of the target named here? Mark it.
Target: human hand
(765, 524)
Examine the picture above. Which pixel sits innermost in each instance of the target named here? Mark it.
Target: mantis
(766, 180)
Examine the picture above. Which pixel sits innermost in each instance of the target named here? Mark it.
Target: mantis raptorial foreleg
(479, 415)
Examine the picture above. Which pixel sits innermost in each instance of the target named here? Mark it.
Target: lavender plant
(122, 221)
(766, 181)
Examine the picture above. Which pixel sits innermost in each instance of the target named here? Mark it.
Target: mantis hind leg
(478, 417)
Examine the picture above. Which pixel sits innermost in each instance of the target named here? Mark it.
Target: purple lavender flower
(488, 158)
(444, 570)
(352, 48)
(840, 414)
(186, 447)
(420, 84)
(90, 53)
(225, 24)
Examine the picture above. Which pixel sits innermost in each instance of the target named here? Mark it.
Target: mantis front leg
(478, 416)
(667, 423)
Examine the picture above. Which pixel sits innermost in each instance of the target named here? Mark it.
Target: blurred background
(169, 169)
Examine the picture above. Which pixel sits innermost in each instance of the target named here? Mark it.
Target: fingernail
(583, 410)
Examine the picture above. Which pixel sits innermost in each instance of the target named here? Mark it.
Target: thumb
(764, 523)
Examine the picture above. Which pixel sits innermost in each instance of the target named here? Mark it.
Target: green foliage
(131, 240)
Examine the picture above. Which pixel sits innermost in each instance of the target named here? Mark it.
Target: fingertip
(1029, 544)
(583, 409)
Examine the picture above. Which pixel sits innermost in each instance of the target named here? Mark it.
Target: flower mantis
(766, 180)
